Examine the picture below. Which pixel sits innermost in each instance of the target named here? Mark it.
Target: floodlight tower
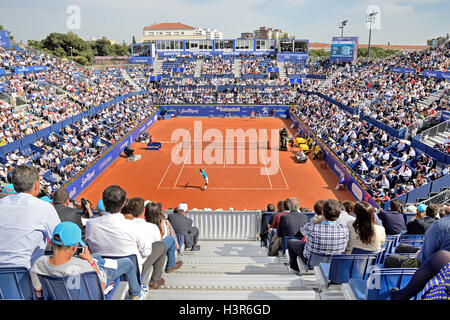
(370, 18)
(341, 26)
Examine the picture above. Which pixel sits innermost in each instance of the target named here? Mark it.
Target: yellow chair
(304, 147)
(300, 141)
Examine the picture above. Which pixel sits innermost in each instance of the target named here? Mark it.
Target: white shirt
(151, 230)
(113, 235)
(26, 223)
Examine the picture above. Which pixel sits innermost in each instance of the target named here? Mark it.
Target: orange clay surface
(157, 178)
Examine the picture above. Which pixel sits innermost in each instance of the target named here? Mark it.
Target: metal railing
(431, 132)
(427, 123)
(440, 198)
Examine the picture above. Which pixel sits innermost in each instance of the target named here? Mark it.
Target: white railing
(226, 225)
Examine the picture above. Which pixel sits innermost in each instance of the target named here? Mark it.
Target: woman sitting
(364, 232)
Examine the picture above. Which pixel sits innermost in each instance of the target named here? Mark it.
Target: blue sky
(401, 22)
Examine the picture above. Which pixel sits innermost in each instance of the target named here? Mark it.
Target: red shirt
(277, 217)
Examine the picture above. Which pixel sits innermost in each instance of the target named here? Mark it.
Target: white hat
(183, 207)
(411, 208)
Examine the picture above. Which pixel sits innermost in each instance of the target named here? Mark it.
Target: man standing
(27, 223)
(183, 225)
(203, 173)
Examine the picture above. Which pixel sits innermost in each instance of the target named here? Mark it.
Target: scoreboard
(142, 53)
(344, 49)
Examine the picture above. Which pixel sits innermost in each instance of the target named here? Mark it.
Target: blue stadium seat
(380, 254)
(84, 287)
(413, 242)
(15, 284)
(135, 263)
(380, 282)
(344, 267)
(412, 237)
(395, 239)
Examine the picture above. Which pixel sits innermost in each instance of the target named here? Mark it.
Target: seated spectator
(64, 262)
(290, 223)
(270, 210)
(436, 238)
(61, 203)
(326, 238)
(364, 233)
(113, 235)
(27, 223)
(318, 207)
(344, 217)
(349, 207)
(393, 221)
(275, 241)
(420, 225)
(152, 214)
(437, 262)
(183, 225)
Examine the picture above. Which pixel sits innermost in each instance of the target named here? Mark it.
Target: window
(168, 33)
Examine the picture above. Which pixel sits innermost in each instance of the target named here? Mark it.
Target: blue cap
(9, 188)
(422, 207)
(46, 199)
(100, 205)
(69, 234)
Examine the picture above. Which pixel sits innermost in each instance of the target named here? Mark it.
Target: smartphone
(80, 250)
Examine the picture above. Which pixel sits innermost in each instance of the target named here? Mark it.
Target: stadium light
(370, 18)
(342, 25)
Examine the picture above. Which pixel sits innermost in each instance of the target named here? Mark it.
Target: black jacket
(69, 214)
(290, 224)
(393, 222)
(419, 226)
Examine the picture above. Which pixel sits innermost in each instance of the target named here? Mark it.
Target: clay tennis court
(158, 178)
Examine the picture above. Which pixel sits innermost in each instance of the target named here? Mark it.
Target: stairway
(157, 66)
(237, 68)
(432, 98)
(328, 81)
(438, 138)
(282, 70)
(198, 68)
(127, 77)
(237, 270)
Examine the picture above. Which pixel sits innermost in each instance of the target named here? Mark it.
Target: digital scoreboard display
(142, 50)
(342, 50)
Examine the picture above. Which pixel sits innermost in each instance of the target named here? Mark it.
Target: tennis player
(203, 172)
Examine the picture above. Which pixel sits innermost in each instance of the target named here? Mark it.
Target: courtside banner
(226, 110)
(436, 74)
(30, 69)
(403, 70)
(355, 187)
(85, 178)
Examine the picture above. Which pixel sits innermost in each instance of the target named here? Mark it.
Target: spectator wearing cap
(9, 188)
(27, 223)
(64, 262)
(421, 225)
(65, 240)
(114, 235)
(183, 225)
(61, 203)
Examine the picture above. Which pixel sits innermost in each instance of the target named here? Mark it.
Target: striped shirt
(327, 237)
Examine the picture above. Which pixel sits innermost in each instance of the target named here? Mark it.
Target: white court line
(279, 166)
(265, 166)
(168, 167)
(221, 167)
(219, 188)
(184, 161)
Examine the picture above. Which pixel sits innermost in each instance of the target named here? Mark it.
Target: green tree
(319, 53)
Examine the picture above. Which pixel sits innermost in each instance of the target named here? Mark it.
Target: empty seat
(380, 282)
(342, 268)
